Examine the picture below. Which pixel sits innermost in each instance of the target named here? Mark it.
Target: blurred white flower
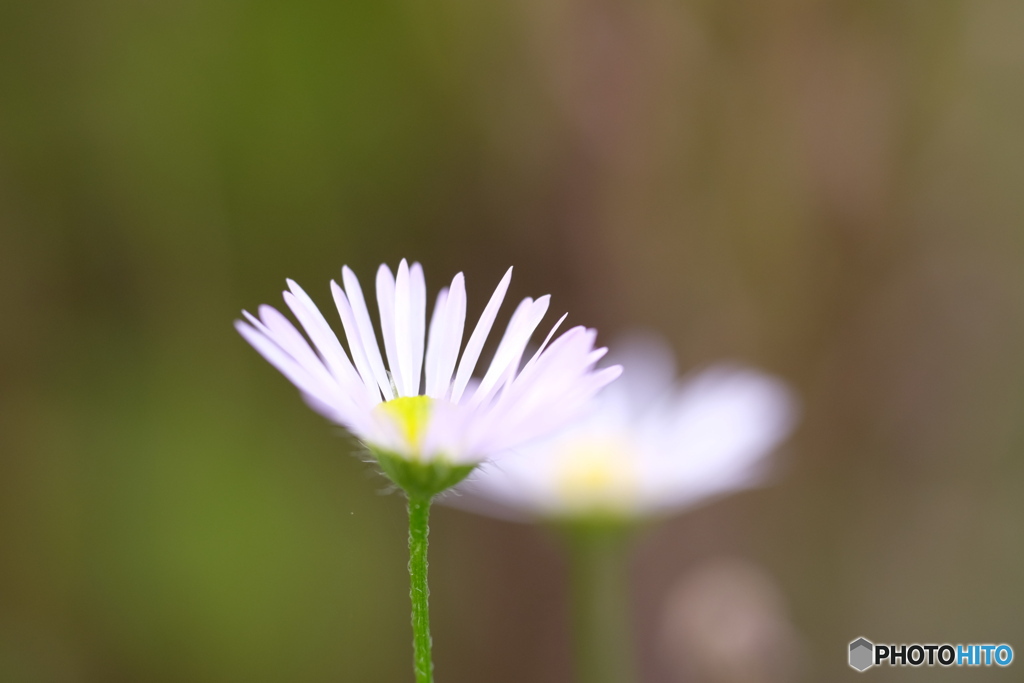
(649, 445)
(419, 406)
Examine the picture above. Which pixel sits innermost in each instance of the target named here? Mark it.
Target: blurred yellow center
(411, 414)
(597, 474)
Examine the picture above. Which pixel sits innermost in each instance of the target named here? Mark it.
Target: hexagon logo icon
(862, 654)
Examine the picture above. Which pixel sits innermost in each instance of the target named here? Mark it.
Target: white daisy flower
(648, 446)
(422, 406)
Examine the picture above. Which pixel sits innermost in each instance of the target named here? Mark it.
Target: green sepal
(421, 479)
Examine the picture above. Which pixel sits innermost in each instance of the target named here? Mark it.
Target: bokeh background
(833, 191)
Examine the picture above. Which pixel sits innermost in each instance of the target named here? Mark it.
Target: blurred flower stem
(600, 602)
(419, 592)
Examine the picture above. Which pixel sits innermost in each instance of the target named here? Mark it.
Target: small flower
(421, 413)
(648, 446)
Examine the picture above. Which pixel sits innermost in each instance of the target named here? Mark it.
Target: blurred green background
(831, 190)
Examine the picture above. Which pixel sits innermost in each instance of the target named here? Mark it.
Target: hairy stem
(419, 593)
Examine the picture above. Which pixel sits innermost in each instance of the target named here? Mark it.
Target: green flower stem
(603, 641)
(421, 480)
(419, 593)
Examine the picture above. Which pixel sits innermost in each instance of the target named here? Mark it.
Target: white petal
(418, 309)
(326, 341)
(520, 328)
(540, 349)
(510, 373)
(281, 360)
(284, 334)
(713, 437)
(355, 344)
(554, 387)
(386, 306)
(437, 324)
(446, 433)
(403, 329)
(480, 390)
(366, 334)
(564, 356)
(450, 335)
(330, 403)
(479, 336)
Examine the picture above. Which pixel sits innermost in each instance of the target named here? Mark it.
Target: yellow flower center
(597, 475)
(411, 414)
